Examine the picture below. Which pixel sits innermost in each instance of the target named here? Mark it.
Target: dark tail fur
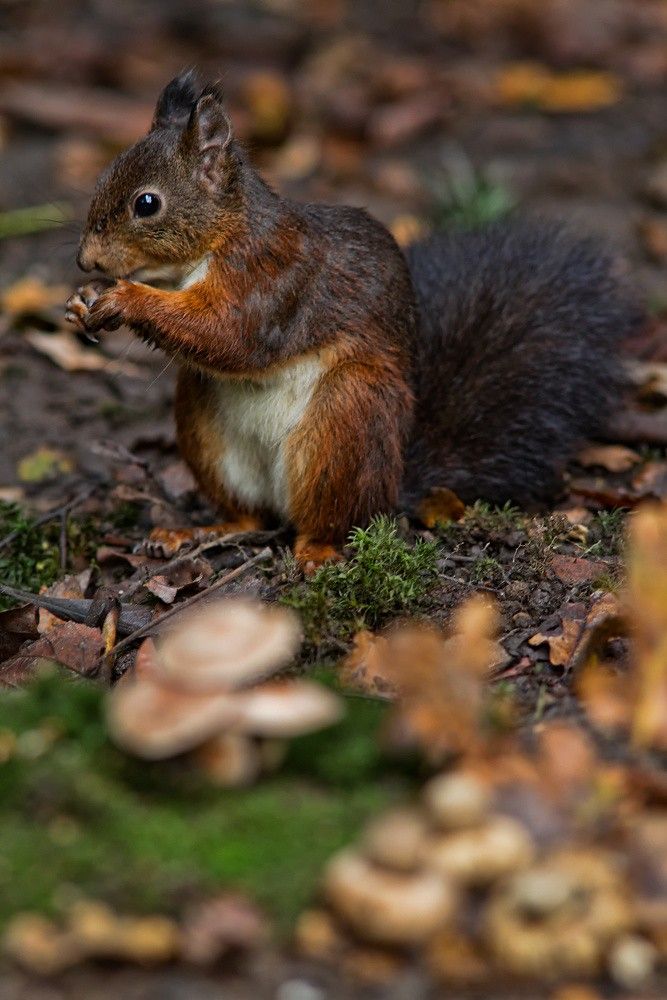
(517, 360)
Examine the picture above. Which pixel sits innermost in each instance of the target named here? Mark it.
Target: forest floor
(426, 115)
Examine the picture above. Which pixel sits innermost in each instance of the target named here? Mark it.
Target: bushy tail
(517, 359)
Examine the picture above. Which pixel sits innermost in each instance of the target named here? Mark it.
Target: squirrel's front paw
(96, 306)
(78, 305)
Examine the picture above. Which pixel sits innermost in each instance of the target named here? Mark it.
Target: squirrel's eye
(147, 204)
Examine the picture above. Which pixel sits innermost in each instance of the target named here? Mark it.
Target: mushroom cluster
(477, 893)
(206, 688)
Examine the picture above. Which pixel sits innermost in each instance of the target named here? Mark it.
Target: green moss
(384, 577)
(78, 817)
(32, 560)
(485, 569)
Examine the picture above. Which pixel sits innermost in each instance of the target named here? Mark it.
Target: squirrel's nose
(84, 262)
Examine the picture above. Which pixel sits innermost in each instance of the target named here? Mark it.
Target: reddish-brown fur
(511, 356)
(284, 282)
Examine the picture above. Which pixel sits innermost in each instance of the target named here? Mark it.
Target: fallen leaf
(65, 350)
(407, 228)
(576, 91)
(72, 587)
(647, 605)
(17, 625)
(84, 109)
(177, 481)
(440, 507)
(581, 91)
(268, 99)
(604, 694)
(612, 457)
(45, 463)
(30, 297)
(650, 482)
(183, 576)
(572, 570)
(650, 381)
(77, 647)
(364, 668)
(561, 645)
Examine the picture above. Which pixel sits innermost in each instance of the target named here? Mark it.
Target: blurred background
(428, 112)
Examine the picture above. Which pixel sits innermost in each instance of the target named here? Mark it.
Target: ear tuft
(177, 100)
(210, 132)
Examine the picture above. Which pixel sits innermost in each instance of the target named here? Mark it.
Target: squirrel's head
(172, 196)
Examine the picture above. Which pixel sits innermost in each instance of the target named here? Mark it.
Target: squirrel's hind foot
(164, 543)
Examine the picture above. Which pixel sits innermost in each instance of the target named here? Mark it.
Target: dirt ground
(396, 106)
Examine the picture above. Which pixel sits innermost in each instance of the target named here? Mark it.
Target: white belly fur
(256, 418)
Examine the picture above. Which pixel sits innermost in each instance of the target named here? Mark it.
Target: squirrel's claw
(91, 308)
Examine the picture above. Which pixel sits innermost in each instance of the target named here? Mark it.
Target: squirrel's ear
(210, 132)
(176, 101)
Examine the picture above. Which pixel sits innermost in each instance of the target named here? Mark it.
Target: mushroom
(286, 708)
(396, 839)
(480, 856)
(228, 644)
(229, 760)
(100, 933)
(632, 962)
(159, 711)
(39, 946)
(558, 918)
(155, 721)
(386, 907)
(456, 801)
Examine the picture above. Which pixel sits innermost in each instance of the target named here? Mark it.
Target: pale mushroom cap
(155, 721)
(387, 907)
(396, 839)
(286, 708)
(228, 644)
(456, 801)
(481, 855)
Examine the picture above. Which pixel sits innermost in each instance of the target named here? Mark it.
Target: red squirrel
(324, 376)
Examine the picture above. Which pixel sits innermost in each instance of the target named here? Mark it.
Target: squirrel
(325, 376)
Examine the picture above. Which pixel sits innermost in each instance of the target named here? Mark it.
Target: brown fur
(323, 294)
(284, 282)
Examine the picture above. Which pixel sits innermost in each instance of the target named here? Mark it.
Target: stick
(157, 622)
(220, 541)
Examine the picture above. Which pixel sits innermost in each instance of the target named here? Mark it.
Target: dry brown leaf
(365, 667)
(612, 457)
(440, 507)
(77, 647)
(581, 91)
(605, 696)
(183, 576)
(30, 296)
(576, 91)
(72, 586)
(67, 352)
(647, 601)
(572, 570)
(561, 645)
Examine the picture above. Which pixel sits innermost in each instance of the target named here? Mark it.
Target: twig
(157, 622)
(50, 515)
(220, 541)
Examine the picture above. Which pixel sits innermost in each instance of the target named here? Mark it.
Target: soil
(590, 169)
